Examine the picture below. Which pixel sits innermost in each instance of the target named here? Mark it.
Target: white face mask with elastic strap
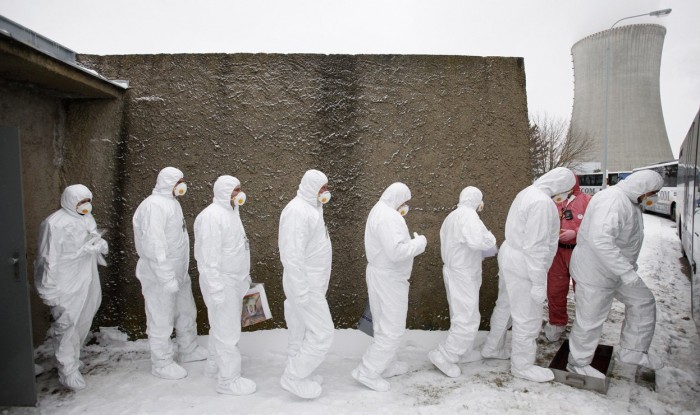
(324, 197)
(180, 189)
(84, 208)
(239, 199)
(403, 210)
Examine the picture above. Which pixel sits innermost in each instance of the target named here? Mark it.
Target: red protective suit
(558, 275)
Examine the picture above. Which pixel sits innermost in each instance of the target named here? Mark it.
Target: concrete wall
(64, 140)
(635, 122)
(437, 123)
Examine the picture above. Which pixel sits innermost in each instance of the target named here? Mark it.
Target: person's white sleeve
(47, 260)
(154, 243)
(476, 236)
(537, 240)
(208, 243)
(293, 238)
(397, 243)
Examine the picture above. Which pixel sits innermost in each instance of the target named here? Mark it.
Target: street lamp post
(604, 166)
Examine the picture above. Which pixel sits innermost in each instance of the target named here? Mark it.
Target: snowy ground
(119, 379)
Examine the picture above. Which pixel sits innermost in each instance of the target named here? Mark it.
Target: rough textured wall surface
(64, 141)
(436, 123)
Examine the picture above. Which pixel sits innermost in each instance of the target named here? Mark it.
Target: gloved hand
(630, 277)
(171, 286)
(538, 293)
(218, 297)
(102, 246)
(422, 241)
(567, 235)
(489, 252)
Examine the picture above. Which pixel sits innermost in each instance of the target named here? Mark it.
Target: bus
(665, 200)
(591, 183)
(688, 216)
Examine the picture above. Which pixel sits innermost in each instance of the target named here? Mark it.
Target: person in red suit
(571, 213)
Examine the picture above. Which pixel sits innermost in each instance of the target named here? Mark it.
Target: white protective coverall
(306, 254)
(532, 236)
(390, 252)
(463, 240)
(604, 265)
(223, 260)
(162, 243)
(66, 279)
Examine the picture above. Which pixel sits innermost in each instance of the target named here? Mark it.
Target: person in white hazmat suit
(306, 254)
(464, 242)
(163, 246)
(604, 265)
(390, 252)
(66, 278)
(532, 237)
(223, 259)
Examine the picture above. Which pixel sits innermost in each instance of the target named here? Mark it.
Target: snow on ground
(119, 380)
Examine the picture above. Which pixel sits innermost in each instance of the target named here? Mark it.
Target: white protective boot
(173, 371)
(585, 371)
(501, 354)
(449, 369)
(397, 368)
(240, 387)
(199, 353)
(376, 383)
(533, 373)
(553, 333)
(303, 388)
(74, 381)
(635, 357)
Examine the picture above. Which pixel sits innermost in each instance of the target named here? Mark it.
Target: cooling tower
(636, 130)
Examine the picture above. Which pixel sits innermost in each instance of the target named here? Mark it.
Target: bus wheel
(673, 212)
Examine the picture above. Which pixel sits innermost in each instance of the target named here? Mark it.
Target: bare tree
(554, 143)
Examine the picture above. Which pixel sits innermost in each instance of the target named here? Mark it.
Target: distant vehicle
(689, 209)
(591, 183)
(665, 200)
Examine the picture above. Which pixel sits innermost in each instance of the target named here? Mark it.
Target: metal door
(17, 382)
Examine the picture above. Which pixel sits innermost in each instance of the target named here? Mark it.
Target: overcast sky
(541, 31)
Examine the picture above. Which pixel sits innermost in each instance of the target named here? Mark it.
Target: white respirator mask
(324, 197)
(403, 210)
(481, 207)
(239, 199)
(561, 197)
(84, 208)
(180, 189)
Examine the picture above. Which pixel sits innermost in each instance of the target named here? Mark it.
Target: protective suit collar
(395, 195)
(167, 178)
(223, 187)
(555, 181)
(639, 183)
(72, 195)
(310, 184)
(470, 197)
